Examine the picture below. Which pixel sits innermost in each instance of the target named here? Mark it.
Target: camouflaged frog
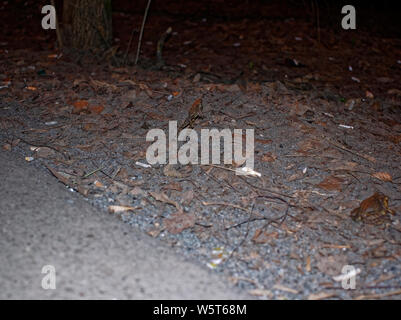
(373, 210)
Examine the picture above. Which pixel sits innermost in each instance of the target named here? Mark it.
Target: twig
(39, 145)
(242, 222)
(245, 236)
(339, 146)
(282, 218)
(218, 181)
(92, 172)
(141, 32)
(225, 204)
(160, 44)
(266, 189)
(129, 46)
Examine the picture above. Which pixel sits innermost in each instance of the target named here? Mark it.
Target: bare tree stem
(141, 33)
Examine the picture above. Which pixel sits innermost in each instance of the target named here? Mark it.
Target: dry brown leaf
(261, 293)
(321, 295)
(170, 171)
(261, 236)
(395, 139)
(118, 209)
(144, 87)
(308, 145)
(98, 184)
(295, 176)
(384, 176)
(96, 109)
(162, 197)
(394, 91)
(331, 265)
(269, 157)
(179, 221)
(331, 183)
(137, 191)
(342, 165)
(65, 178)
(155, 232)
(80, 106)
(262, 141)
(103, 85)
(380, 295)
(44, 152)
(308, 267)
(173, 186)
(187, 197)
(69, 181)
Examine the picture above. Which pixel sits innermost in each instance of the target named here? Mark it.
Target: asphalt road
(94, 255)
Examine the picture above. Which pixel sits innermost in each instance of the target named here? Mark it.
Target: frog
(194, 113)
(373, 210)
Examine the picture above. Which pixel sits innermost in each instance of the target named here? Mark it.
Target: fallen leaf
(44, 152)
(173, 186)
(321, 295)
(261, 236)
(269, 157)
(308, 264)
(261, 293)
(331, 265)
(170, 171)
(247, 172)
(384, 176)
(369, 94)
(377, 296)
(263, 141)
(178, 222)
(80, 106)
(96, 109)
(342, 165)
(394, 91)
(118, 209)
(69, 181)
(162, 197)
(395, 139)
(155, 232)
(331, 183)
(98, 184)
(137, 192)
(187, 197)
(308, 145)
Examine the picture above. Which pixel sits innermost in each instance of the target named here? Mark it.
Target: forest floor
(327, 125)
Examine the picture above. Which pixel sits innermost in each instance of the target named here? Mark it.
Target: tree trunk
(87, 24)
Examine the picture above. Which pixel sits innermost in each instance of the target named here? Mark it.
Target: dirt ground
(325, 109)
